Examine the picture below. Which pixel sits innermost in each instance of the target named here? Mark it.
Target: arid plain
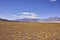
(29, 31)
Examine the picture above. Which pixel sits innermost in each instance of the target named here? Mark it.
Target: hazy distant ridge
(50, 19)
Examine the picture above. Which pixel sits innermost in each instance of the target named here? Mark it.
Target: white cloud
(14, 15)
(53, 0)
(25, 13)
(28, 15)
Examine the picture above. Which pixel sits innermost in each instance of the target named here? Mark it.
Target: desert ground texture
(29, 31)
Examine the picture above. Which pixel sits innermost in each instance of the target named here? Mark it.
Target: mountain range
(50, 19)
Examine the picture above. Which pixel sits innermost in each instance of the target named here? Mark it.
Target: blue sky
(17, 9)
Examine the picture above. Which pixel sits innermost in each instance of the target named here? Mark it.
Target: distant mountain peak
(3, 19)
(54, 18)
